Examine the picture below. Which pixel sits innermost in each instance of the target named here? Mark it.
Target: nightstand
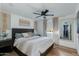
(6, 45)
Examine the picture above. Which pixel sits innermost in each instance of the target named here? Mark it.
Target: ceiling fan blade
(38, 16)
(49, 15)
(46, 11)
(37, 13)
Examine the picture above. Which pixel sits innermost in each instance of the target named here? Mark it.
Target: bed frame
(21, 30)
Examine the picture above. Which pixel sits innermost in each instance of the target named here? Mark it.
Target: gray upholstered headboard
(19, 30)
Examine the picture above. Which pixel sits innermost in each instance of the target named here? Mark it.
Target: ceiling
(27, 9)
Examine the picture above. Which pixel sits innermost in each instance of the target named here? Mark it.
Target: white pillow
(25, 34)
(30, 34)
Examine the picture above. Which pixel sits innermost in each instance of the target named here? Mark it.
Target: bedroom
(58, 30)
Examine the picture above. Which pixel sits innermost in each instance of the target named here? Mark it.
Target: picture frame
(24, 22)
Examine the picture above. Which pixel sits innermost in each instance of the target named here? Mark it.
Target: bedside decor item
(3, 34)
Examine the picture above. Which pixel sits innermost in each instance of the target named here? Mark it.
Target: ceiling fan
(43, 13)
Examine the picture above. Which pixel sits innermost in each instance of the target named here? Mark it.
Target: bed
(31, 46)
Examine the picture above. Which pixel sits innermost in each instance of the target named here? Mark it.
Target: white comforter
(33, 46)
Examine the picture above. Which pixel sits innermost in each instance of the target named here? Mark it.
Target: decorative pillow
(25, 34)
(18, 35)
(30, 34)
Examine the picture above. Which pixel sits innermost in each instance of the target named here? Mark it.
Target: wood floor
(56, 51)
(62, 51)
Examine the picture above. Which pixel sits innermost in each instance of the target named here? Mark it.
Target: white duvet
(33, 46)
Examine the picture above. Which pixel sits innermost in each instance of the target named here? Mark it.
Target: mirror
(65, 30)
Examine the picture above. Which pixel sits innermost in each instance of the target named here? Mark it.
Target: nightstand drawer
(6, 45)
(7, 42)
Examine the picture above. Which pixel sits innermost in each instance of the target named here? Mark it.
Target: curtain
(45, 27)
(55, 23)
(35, 27)
(55, 29)
(0, 22)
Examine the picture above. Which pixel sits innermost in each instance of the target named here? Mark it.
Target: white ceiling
(27, 9)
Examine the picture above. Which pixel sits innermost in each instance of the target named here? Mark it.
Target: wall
(49, 25)
(12, 21)
(40, 27)
(77, 36)
(15, 21)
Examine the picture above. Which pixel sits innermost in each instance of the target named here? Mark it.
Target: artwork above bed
(21, 22)
(24, 22)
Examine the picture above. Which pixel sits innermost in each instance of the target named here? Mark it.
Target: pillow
(18, 35)
(25, 34)
(30, 34)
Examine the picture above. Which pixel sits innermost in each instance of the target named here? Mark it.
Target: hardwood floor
(62, 51)
(56, 51)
